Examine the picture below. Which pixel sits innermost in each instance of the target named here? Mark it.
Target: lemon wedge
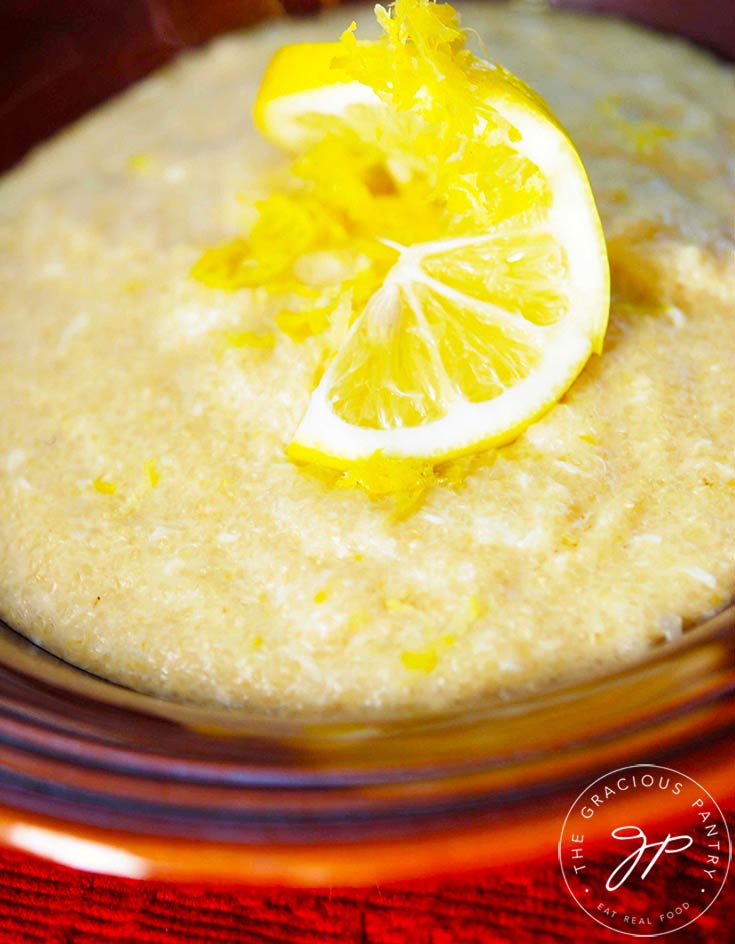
(479, 327)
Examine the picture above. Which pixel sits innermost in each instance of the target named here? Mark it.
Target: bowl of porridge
(218, 664)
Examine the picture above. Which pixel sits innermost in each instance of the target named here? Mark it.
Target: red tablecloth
(45, 903)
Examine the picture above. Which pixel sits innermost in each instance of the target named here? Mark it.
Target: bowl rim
(187, 792)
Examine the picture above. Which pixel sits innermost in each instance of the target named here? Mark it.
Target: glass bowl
(100, 777)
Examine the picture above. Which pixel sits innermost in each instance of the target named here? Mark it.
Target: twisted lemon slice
(482, 325)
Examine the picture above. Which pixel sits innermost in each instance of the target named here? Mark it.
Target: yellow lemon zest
(475, 608)
(358, 185)
(133, 286)
(420, 660)
(232, 266)
(154, 476)
(237, 339)
(381, 475)
(139, 163)
(357, 620)
(103, 486)
(407, 503)
(393, 604)
(406, 481)
(300, 325)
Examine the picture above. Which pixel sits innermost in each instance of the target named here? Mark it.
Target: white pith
(283, 115)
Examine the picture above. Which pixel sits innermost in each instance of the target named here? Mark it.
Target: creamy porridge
(152, 529)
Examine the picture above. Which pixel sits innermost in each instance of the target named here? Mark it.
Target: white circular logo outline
(619, 770)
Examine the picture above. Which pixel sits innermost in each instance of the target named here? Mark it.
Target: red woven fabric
(45, 903)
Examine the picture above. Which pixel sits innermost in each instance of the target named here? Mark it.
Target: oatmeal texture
(152, 529)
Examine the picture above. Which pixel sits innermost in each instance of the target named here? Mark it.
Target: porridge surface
(152, 529)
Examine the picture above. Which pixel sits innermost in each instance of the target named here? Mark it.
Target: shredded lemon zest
(366, 184)
(392, 604)
(139, 163)
(133, 286)
(154, 476)
(103, 486)
(229, 339)
(358, 619)
(300, 325)
(475, 608)
(405, 482)
(420, 660)
(381, 475)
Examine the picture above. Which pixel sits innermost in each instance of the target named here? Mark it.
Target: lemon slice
(473, 335)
